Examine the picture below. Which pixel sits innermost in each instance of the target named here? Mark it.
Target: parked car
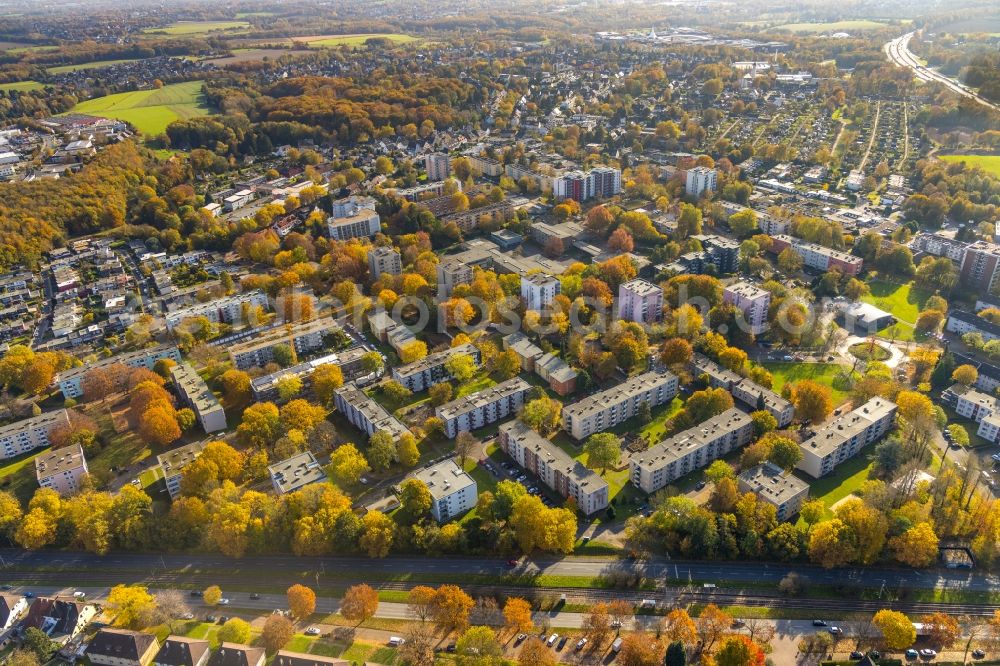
(912, 654)
(737, 623)
(312, 631)
(396, 641)
(580, 644)
(520, 639)
(211, 618)
(552, 640)
(223, 619)
(928, 653)
(995, 457)
(857, 655)
(562, 643)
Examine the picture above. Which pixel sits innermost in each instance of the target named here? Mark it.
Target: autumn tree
(235, 630)
(811, 400)
(739, 650)
(676, 351)
(450, 607)
(414, 500)
(465, 445)
(377, 533)
(542, 414)
(639, 649)
(276, 633)
(597, 623)
(917, 546)
(301, 601)
(517, 615)
(347, 464)
(942, 629)
(326, 379)
(678, 626)
(129, 604)
(535, 653)
(896, 628)
(965, 375)
(711, 625)
(212, 595)
(359, 603)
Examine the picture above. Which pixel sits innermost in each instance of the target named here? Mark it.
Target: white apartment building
(599, 182)
(450, 274)
(785, 492)
(61, 470)
(296, 473)
(610, 407)
(173, 462)
(364, 413)
(751, 394)
(843, 437)
(771, 225)
(353, 217)
(689, 450)
(817, 256)
(640, 301)
(752, 301)
(194, 393)
(979, 407)
(431, 370)
(228, 310)
(453, 491)
(556, 468)
(438, 166)
(30, 434)
(700, 180)
(237, 200)
(382, 259)
(302, 336)
(71, 381)
(486, 166)
(482, 408)
(538, 290)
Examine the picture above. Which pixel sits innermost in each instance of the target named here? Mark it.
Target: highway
(898, 51)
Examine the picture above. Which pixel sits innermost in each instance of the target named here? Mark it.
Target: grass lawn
(903, 301)
(357, 40)
(22, 86)
(988, 163)
(832, 26)
(198, 27)
(150, 111)
(17, 475)
(845, 479)
(823, 373)
(361, 652)
(62, 69)
(479, 382)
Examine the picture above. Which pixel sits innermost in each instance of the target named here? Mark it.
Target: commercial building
(194, 393)
(556, 468)
(438, 166)
(365, 414)
(296, 473)
(785, 492)
(752, 301)
(227, 310)
(847, 434)
(71, 381)
(700, 180)
(640, 301)
(430, 370)
(62, 470)
(382, 259)
(183, 651)
(303, 336)
(353, 217)
(121, 647)
(173, 463)
(31, 433)
(453, 491)
(265, 387)
(599, 182)
(689, 450)
(538, 290)
(610, 407)
(818, 257)
(865, 319)
(482, 408)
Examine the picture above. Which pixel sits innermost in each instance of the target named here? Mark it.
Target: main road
(898, 50)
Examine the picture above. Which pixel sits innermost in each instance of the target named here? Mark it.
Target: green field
(903, 301)
(22, 86)
(358, 40)
(988, 163)
(17, 475)
(150, 111)
(832, 26)
(827, 374)
(198, 27)
(62, 69)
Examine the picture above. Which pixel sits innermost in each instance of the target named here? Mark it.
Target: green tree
(381, 450)
(235, 630)
(461, 366)
(603, 450)
(415, 500)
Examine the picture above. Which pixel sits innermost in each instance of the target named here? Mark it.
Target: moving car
(254, 595)
(224, 601)
(819, 623)
(836, 631)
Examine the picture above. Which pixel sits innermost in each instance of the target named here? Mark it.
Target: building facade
(438, 166)
(431, 369)
(606, 409)
(71, 381)
(640, 301)
(121, 647)
(194, 393)
(302, 336)
(785, 492)
(61, 470)
(847, 434)
(227, 310)
(752, 301)
(482, 408)
(700, 180)
(354, 217)
(173, 463)
(383, 259)
(30, 434)
(364, 413)
(453, 491)
(538, 290)
(818, 257)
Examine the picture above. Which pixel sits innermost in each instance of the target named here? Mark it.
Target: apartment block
(61, 470)
(847, 434)
(71, 381)
(608, 408)
(453, 491)
(265, 387)
(303, 337)
(382, 259)
(438, 166)
(960, 323)
(527, 351)
(785, 492)
(556, 468)
(486, 166)
(640, 301)
(600, 182)
(690, 450)
(296, 473)
(173, 463)
(773, 226)
(700, 180)
(121, 647)
(469, 220)
(816, 256)
(194, 393)
(751, 394)
(450, 274)
(538, 290)
(430, 370)
(982, 408)
(353, 217)
(752, 301)
(940, 246)
(980, 266)
(364, 413)
(482, 408)
(560, 376)
(227, 310)
(30, 434)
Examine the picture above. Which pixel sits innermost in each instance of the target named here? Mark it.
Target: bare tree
(486, 612)
(760, 630)
(418, 648)
(860, 626)
(465, 444)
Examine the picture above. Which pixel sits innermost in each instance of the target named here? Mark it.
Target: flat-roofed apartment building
(431, 370)
(752, 301)
(689, 450)
(610, 407)
(785, 492)
(482, 408)
(354, 217)
(366, 414)
(982, 408)
(751, 394)
(265, 387)
(194, 393)
(640, 301)
(296, 473)
(61, 470)
(556, 468)
(71, 381)
(817, 256)
(30, 434)
(226, 310)
(843, 437)
(453, 491)
(173, 463)
(303, 336)
(383, 259)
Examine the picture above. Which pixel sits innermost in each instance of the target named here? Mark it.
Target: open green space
(832, 26)
(988, 163)
(22, 86)
(198, 27)
(17, 475)
(867, 351)
(358, 40)
(831, 375)
(903, 301)
(62, 69)
(150, 111)
(845, 479)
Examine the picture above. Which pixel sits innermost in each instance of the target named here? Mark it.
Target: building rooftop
(556, 368)
(120, 644)
(434, 360)
(175, 460)
(832, 435)
(306, 367)
(181, 651)
(190, 383)
(975, 321)
(111, 360)
(617, 394)
(234, 654)
(820, 249)
(677, 446)
(287, 334)
(373, 412)
(299, 470)
(481, 398)
(770, 481)
(554, 456)
(522, 345)
(640, 287)
(539, 279)
(289, 658)
(444, 478)
(58, 461)
(46, 420)
(747, 290)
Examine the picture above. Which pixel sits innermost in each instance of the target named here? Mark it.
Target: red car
(512, 563)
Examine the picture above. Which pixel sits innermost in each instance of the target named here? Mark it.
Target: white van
(396, 641)
(552, 640)
(617, 645)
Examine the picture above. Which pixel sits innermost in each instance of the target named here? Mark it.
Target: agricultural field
(330, 41)
(199, 27)
(249, 55)
(988, 163)
(150, 111)
(22, 86)
(62, 69)
(832, 26)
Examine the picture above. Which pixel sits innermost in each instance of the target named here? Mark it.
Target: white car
(79, 595)
(187, 616)
(312, 631)
(223, 602)
(927, 652)
(552, 640)
(836, 631)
